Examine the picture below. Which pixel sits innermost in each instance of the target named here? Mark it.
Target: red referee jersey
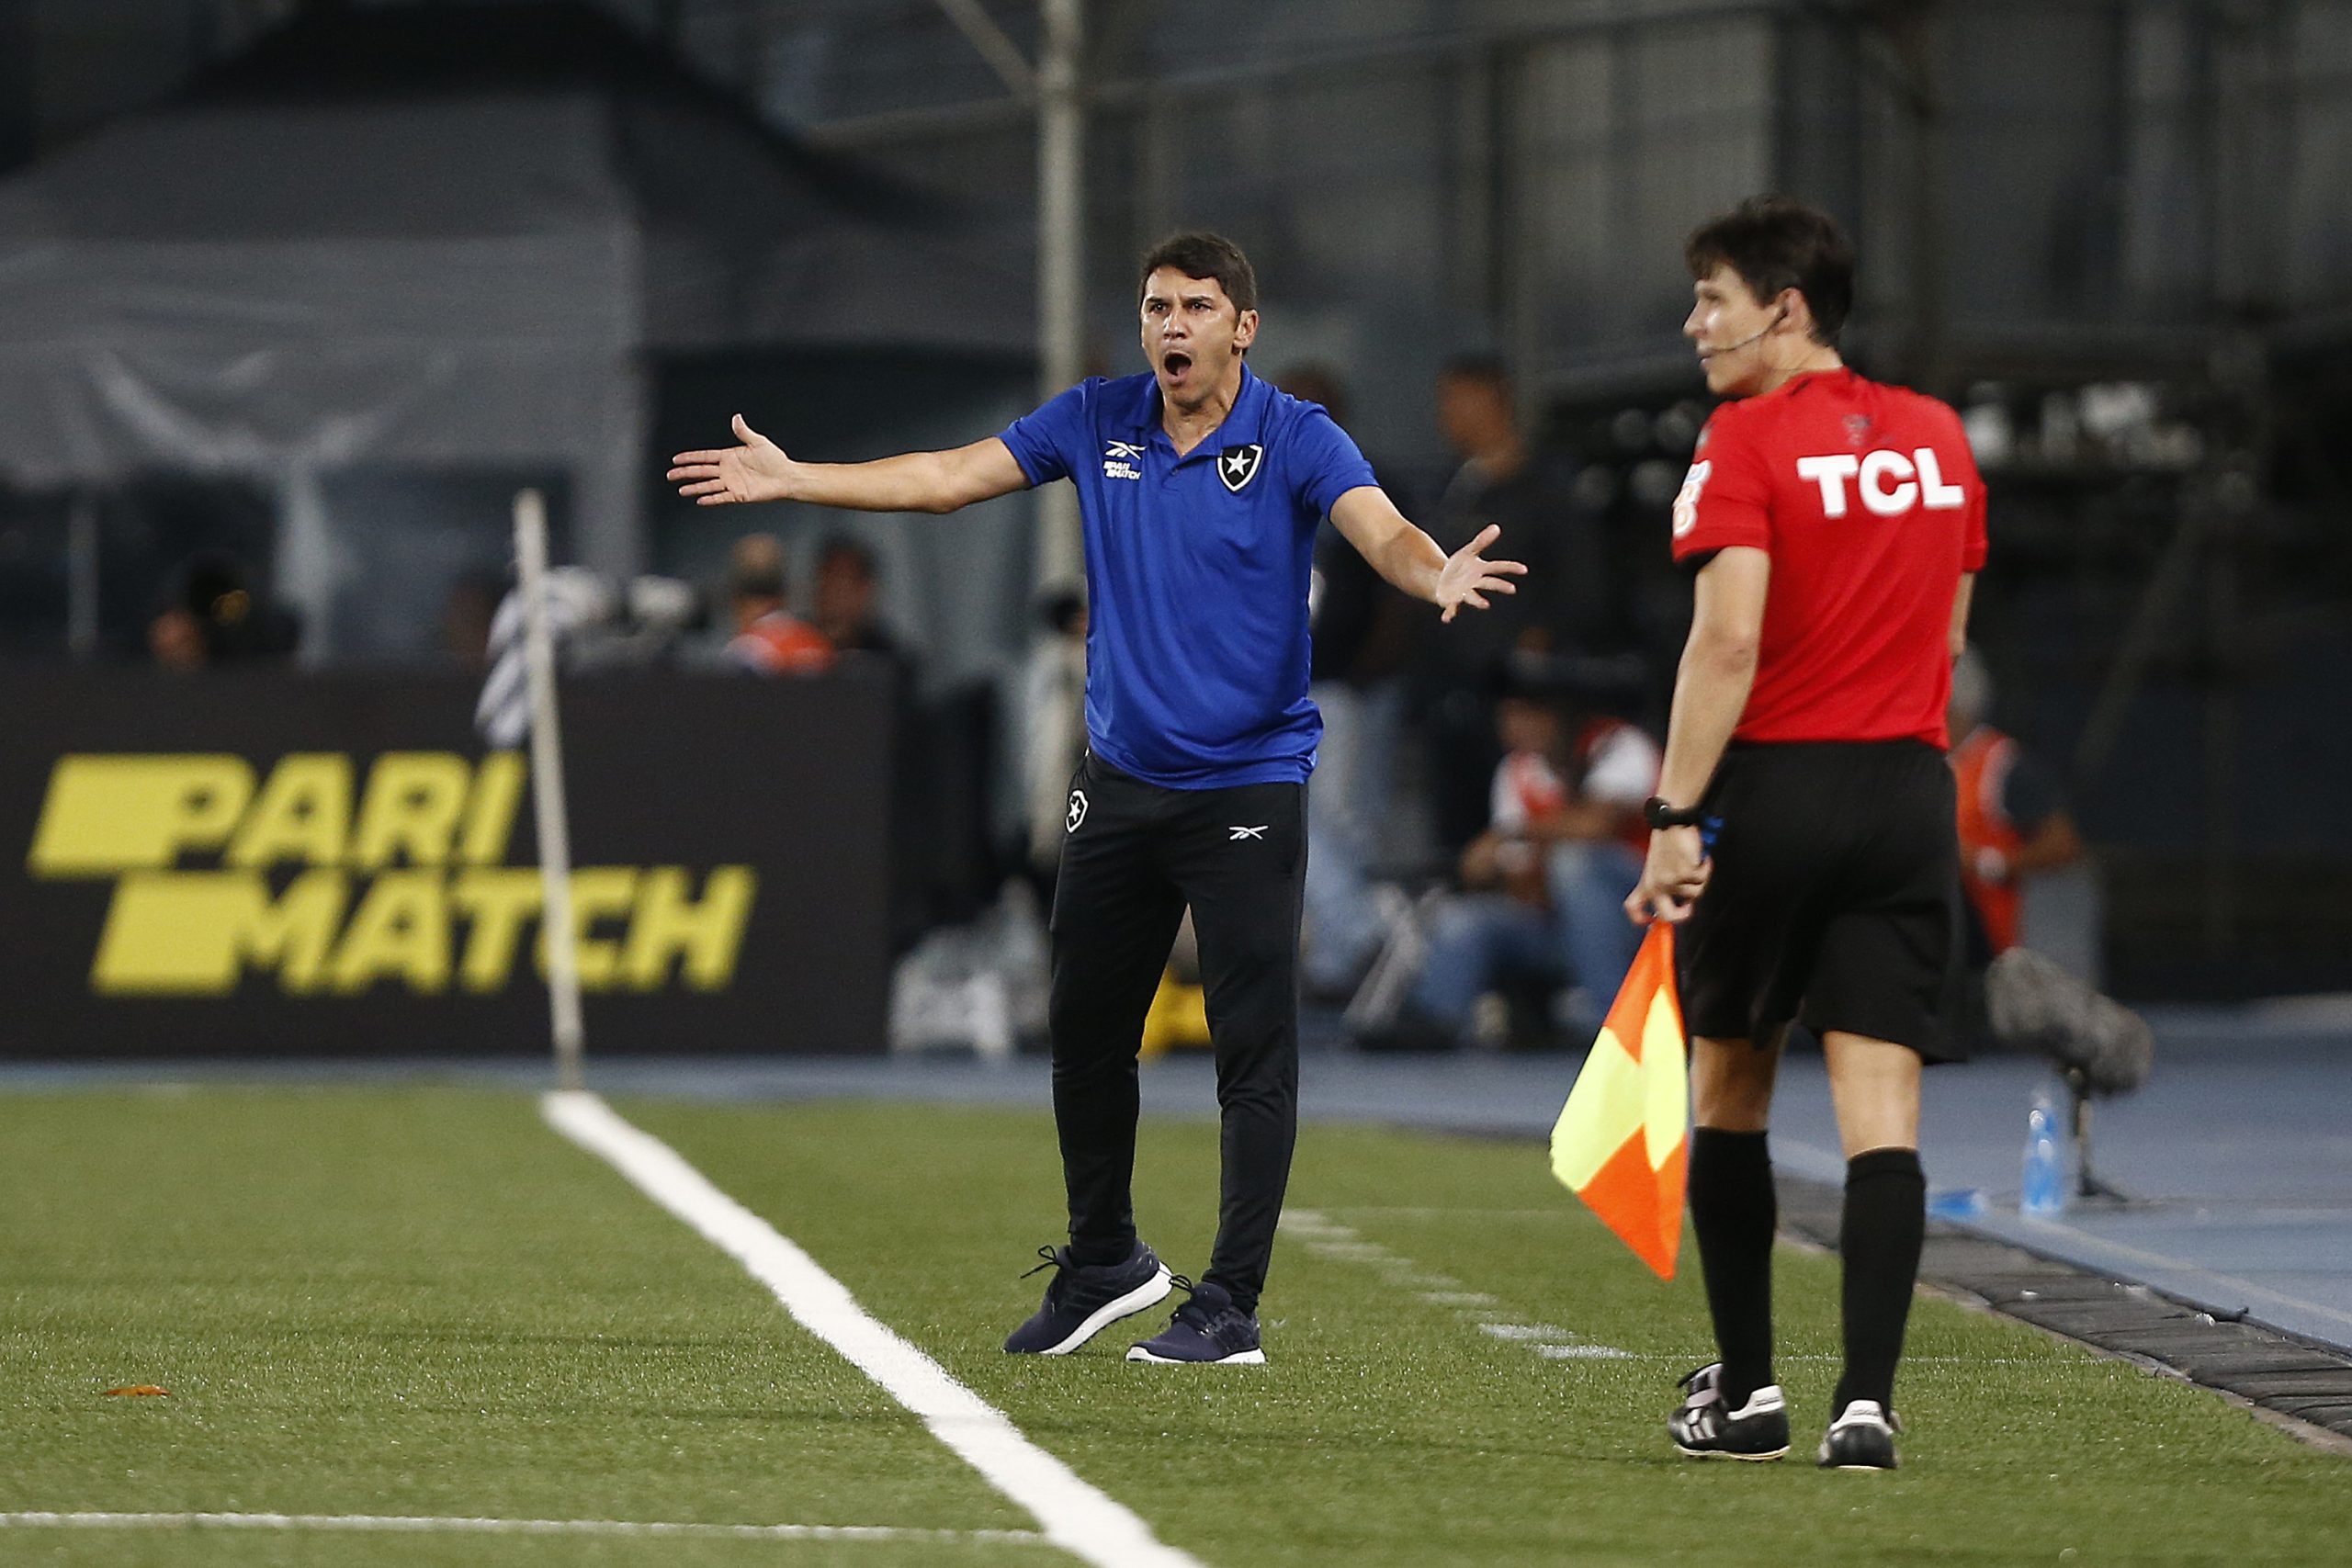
(1868, 500)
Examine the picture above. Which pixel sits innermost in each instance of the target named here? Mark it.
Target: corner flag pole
(546, 790)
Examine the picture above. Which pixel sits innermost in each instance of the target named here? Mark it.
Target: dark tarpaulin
(434, 236)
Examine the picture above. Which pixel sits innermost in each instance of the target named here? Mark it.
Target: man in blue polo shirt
(1201, 487)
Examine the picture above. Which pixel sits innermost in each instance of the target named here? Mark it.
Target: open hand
(757, 471)
(1466, 577)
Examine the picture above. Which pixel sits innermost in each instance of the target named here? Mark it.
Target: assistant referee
(1836, 525)
(1201, 487)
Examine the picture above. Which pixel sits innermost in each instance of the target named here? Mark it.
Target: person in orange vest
(2011, 823)
(769, 639)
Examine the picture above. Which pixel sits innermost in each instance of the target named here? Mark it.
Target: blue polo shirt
(1196, 574)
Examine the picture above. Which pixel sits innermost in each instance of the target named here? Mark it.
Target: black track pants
(1133, 856)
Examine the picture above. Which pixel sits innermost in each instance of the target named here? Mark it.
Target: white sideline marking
(1423, 1211)
(1352, 1251)
(1311, 1221)
(1325, 1237)
(410, 1524)
(1075, 1516)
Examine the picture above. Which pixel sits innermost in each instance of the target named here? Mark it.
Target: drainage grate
(2274, 1371)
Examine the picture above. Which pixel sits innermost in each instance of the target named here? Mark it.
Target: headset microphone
(1735, 347)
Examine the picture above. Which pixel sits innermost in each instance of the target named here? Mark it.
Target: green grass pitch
(424, 1303)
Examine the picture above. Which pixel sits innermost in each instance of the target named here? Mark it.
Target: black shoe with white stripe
(1084, 1299)
(1207, 1330)
(1707, 1429)
(1862, 1438)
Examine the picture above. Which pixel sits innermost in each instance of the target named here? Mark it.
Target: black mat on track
(2247, 1359)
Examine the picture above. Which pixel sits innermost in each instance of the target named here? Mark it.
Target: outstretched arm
(917, 481)
(1412, 562)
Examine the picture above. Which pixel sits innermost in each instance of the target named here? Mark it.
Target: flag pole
(547, 791)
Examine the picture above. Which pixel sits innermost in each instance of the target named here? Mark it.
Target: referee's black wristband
(1660, 813)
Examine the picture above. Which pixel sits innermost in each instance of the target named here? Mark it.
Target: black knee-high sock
(1886, 1216)
(1735, 1211)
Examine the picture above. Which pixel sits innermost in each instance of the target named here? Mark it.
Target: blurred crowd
(1477, 815)
(214, 613)
(1476, 805)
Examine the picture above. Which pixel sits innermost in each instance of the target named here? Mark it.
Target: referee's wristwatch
(1660, 813)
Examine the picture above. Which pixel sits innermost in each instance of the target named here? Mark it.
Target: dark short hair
(1774, 243)
(1479, 369)
(1202, 254)
(1316, 384)
(841, 546)
(756, 581)
(1061, 609)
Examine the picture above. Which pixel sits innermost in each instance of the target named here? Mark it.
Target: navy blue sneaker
(1085, 1298)
(1208, 1330)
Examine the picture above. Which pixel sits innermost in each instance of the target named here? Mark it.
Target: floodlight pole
(547, 791)
(1061, 229)
(1061, 260)
(1911, 28)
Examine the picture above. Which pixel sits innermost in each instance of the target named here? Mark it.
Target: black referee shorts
(1833, 897)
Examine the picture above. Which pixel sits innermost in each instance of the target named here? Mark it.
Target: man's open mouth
(1176, 362)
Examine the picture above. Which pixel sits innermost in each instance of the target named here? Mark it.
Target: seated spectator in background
(1362, 630)
(1052, 729)
(845, 614)
(465, 616)
(1564, 606)
(769, 639)
(215, 616)
(1546, 882)
(175, 637)
(2012, 824)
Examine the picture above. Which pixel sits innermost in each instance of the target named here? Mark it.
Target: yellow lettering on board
(194, 934)
(107, 815)
(303, 813)
(598, 893)
(401, 932)
(412, 809)
(490, 815)
(498, 902)
(705, 936)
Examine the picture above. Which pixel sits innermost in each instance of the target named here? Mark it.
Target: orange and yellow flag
(1622, 1143)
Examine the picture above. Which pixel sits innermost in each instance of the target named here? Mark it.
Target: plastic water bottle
(2044, 1191)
